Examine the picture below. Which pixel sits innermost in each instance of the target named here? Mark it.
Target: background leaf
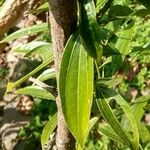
(26, 31)
(36, 91)
(48, 129)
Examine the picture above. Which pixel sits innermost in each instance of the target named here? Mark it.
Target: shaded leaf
(88, 28)
(48, 129)
(110, 49)
(142, 12)
(13, 85)
(145, 3)
(119, 11)
(76, 88)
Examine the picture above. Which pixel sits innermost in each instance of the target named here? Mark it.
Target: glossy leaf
(48, 129)
(47, 74)
(13, 85)
(104, 95)
(26, 31)
(76, 88)
(36, 91)
(88, 28)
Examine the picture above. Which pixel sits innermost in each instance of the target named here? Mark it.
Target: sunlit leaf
(108, 131)
(104, 95)
(76, 88)
(26, 31)
(36, 91)
(42, 49)
(47, 74)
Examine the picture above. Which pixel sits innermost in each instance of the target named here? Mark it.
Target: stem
(97, 69)
(63, 22)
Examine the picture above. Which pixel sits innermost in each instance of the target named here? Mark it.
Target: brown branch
(63, 20)
(11, 12)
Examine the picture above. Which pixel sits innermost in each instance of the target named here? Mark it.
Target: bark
(63, 21)
(11, 12)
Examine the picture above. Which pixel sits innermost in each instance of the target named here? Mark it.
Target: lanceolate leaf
(145, 3)
(125, 38)
(36, 91)
(11, 85)
(48, 129)
(26, 31)
(105, 94)
(47, 74)
(42, 49)
(88, 28)
(108, 131)
(76, 88)
(123, 45)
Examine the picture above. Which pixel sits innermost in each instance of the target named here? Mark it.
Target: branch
(11, 12)
(63, 22)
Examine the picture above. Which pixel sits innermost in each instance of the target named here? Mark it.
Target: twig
(50, 89)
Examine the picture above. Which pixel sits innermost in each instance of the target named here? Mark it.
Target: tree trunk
(63, 22)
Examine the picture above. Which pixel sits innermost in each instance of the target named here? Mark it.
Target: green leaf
(88, 28)
(110, 49)
(47, 74)
(145, 3)
(142, 12)
(48, 129)
(42, 49)
(108, 131)
(125, 38)
(100, 4)
(110, 82)
(36, 91)
(104, 95)
(11, 85)
(144, 133)
(26, 31)
(92, 122)
(76, 88)
(138, 110)
(43, 8)
(119, 11)
(123, 45)
(138, 107)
